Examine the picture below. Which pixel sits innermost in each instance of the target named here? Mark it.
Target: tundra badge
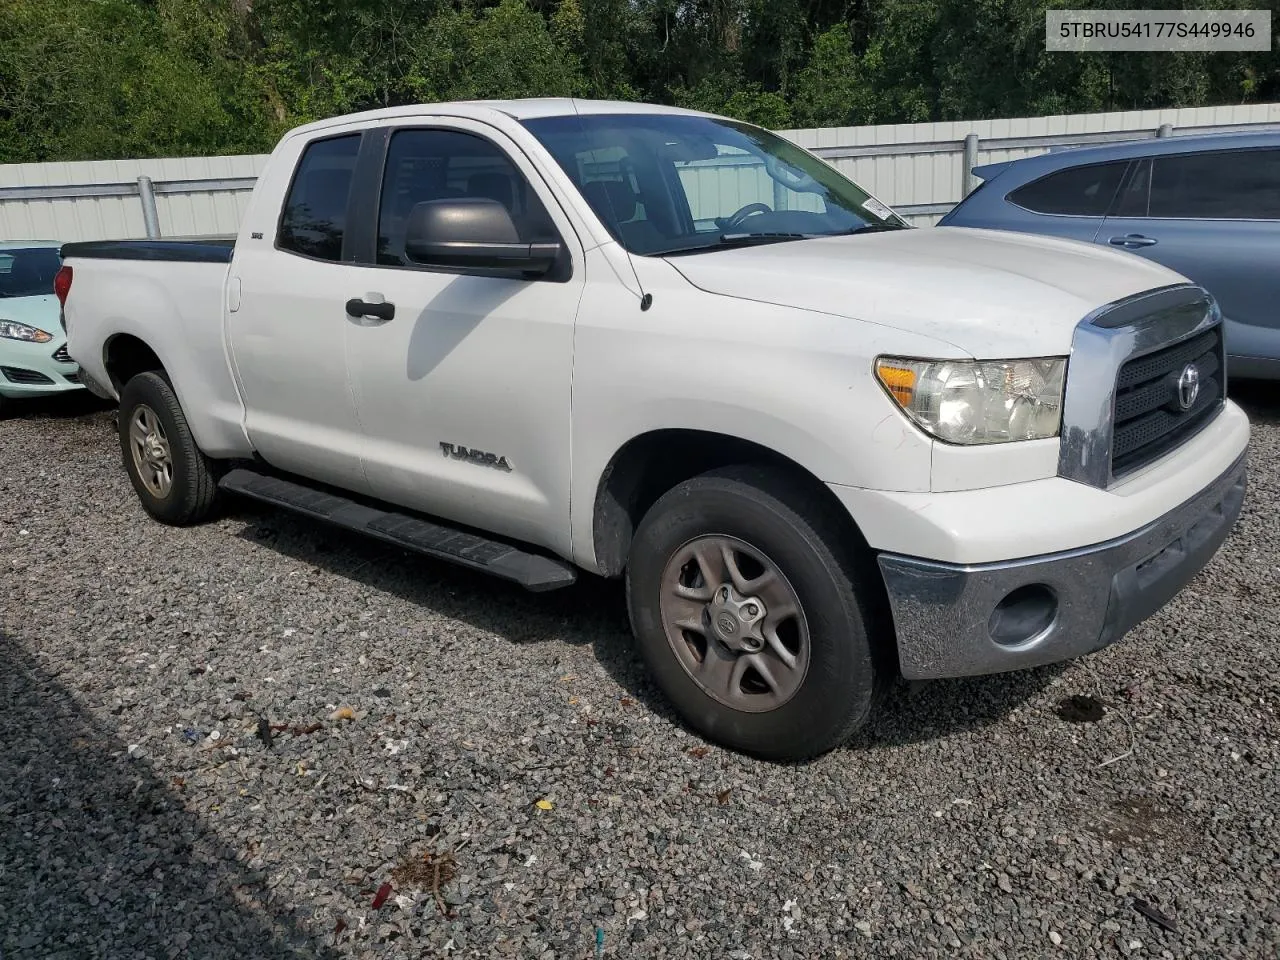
(474, 456)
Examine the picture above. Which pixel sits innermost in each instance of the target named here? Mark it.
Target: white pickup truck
(549, 336)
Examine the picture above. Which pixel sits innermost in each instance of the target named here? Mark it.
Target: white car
(33, 349)
(544, 337)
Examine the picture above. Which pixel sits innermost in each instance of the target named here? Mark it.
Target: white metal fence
(921, 169)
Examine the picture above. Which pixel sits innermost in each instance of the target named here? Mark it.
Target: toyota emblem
(1188, 386)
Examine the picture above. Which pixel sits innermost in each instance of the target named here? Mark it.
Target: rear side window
(1084, 191)
(1221, 185)
(315, 211)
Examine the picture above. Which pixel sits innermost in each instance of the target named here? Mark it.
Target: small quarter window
(1084, 191)
(315, 211)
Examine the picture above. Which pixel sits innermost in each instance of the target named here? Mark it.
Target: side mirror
(473, 232)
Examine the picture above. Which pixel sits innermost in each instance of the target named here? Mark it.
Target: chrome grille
(61, 355)
(1120, 408)
(1150, 418)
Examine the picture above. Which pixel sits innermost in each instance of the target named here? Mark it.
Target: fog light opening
(1023, 615)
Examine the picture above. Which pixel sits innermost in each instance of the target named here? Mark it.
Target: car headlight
(12, 330)
(978, 401)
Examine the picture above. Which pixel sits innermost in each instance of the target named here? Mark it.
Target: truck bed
(167, 297)
(177, 251)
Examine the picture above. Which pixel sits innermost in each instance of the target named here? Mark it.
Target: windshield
(671, 183)
(28, 271)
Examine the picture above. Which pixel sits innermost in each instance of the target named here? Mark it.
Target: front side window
(1084, 191)
(1221, 185)
(664, 183)
(315, 211)
(434, 164)
(28, 271)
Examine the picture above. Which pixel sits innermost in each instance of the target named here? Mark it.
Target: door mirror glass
(473, 232)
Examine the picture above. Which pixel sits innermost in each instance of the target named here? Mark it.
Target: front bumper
(32, 370)
(957, 620)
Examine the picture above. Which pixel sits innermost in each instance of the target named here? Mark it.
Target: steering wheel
(736, 218)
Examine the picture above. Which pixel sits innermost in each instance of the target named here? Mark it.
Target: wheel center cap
(736, 619)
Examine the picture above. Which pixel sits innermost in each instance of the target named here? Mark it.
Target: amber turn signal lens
(899, 381)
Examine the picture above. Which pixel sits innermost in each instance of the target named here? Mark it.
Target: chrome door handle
(1133, 240)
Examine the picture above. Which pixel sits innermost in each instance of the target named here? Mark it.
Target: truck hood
(991, 293)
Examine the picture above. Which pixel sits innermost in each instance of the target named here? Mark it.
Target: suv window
(1079, 191)
(427, 165)
(315, 211)
(1136, 195)
(1223, 184)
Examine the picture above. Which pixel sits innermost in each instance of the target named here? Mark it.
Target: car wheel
(176, 483)
(753, 622)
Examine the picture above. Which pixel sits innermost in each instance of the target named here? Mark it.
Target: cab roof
(521, 109)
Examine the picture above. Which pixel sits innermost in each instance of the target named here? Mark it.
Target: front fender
(798, 383)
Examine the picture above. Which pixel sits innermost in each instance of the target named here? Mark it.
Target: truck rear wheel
(176, 483)
(750, 620)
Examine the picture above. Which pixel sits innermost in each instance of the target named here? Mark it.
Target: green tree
(831, 90)
(115, 78)
(119, 78)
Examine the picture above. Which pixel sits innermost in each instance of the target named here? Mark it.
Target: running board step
(533, 571)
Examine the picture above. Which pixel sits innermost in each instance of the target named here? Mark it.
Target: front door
(464, 393)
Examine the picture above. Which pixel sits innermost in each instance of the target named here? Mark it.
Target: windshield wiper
(874, 228)
(736, 240)
(770, 237)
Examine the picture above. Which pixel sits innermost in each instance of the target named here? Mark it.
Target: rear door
(1214, 217)
(287, 320)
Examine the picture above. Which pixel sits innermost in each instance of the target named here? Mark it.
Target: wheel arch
(125, 355)
(651, 463)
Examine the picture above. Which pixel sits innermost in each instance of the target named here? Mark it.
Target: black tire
(766, 509)
(193, 494)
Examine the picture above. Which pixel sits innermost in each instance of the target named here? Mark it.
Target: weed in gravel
(430, 871)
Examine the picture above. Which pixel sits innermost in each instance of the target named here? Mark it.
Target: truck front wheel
(749, 618)
(174, 480)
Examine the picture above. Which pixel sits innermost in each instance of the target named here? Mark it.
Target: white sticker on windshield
(878, 208)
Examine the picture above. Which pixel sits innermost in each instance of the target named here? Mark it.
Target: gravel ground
(225, 741)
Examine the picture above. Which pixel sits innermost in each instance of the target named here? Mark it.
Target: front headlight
(12, 330)
(978, 401)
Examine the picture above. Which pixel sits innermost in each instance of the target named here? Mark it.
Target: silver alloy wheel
(150, 448)
(735, 623)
